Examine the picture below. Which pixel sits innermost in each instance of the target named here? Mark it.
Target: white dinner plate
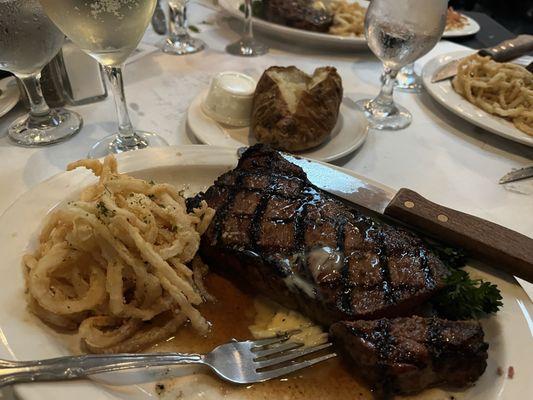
(298, 36)
(9, 95)
(314, 39)
(24, 337)
(471, 28)
(347, 136)
(444, 93)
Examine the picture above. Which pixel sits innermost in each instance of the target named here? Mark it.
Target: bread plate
(348, 135)
(196, 167)
(444, 93)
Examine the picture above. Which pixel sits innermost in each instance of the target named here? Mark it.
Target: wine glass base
(408, 82)
(247, 47)
(394, 118)
(59, 125)
(113, 145)
(182, 45)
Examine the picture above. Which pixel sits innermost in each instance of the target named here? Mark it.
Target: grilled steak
(298, 14)
(406, 355)
(278, 235)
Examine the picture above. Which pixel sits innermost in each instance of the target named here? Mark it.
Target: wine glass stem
(126, 134)
(38, 106)
(178, 21)
(385, 95)
(248, 32)
(409, 69)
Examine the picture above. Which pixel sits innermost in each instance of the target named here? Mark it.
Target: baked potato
(293, 111)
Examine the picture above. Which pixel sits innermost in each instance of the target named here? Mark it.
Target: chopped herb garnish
(103, 210)
(466, 298)
(194, 28)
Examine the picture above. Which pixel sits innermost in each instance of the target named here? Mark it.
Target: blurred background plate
(298, 36)
(444, 93)
(471, 28)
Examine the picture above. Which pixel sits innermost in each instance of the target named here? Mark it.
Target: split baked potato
(293, 111)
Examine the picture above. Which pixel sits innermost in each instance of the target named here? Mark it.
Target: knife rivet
(409, 204)
(442, 218)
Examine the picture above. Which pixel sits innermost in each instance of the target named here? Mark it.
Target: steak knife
(510, 251)
(517, 175)
(505, 51)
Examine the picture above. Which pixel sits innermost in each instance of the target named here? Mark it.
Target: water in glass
(28, 42)
(399, 32)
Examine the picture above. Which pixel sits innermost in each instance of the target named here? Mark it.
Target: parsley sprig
(466, 298)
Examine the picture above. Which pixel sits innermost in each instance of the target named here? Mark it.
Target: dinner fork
(237, 362)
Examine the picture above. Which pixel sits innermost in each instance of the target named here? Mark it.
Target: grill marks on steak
(407, 355)
(283, 237)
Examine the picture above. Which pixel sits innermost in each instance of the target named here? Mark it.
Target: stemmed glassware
(247, 45)
(408, 80)
(398, 33)
(109, 31)
(29, 41)
(179, 41)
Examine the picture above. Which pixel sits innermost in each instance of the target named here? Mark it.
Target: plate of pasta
(341, 23)
(497, 97)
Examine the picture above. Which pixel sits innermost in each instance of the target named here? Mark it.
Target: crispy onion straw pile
(114, 264)
(502, 89)
(348, 18)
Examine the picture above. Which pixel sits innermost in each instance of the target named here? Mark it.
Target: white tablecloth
(440, 155)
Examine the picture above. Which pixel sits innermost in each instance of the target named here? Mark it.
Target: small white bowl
(229, 99)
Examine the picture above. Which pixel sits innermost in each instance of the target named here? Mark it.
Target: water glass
(247, 45)
(28, 42)
(399, 32)
(178, 41)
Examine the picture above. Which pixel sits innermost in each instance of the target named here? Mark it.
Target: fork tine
(291, 356)
(277, 349)
(269, 341)
(275, 373)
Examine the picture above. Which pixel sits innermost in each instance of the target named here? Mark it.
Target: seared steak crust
(279, 235)
(298, 14)
(407, 355)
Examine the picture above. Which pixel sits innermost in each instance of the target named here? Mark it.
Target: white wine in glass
(28, 41)
(109, 31)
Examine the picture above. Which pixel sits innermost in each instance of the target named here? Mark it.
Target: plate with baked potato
(290, 110)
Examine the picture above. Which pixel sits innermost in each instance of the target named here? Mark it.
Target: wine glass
(398, 33)
(247, 46)
(29, 41)
(179, 41)
(109, 31)
(408, 80)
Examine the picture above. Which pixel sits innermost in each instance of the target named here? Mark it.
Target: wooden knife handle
(510, 49)
(503, 248)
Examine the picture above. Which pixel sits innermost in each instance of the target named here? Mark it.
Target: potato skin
(315, 116)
